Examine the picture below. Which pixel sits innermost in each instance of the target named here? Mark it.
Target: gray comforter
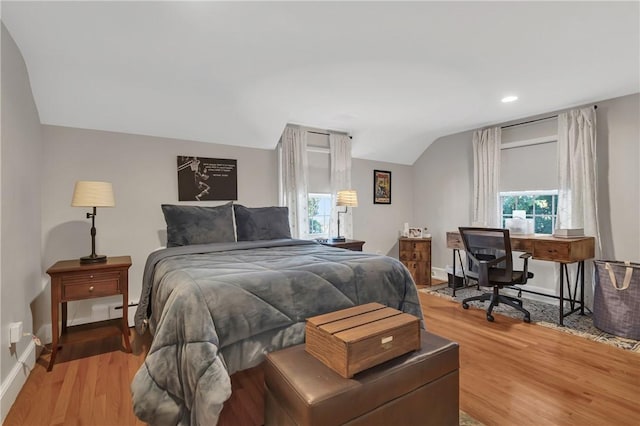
(218, 308)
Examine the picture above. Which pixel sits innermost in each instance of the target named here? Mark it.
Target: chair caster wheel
(527, 319)
(465, 306)
(490, 318)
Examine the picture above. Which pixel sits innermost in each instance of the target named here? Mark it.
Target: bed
(217, 308)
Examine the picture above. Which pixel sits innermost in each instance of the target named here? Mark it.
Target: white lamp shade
(92, 194)
(347, 197)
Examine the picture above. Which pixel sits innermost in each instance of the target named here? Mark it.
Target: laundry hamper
(616, 300)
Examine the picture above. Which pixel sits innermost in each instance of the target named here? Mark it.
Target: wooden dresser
(415, 254)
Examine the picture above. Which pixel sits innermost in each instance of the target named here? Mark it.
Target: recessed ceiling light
(507, 99)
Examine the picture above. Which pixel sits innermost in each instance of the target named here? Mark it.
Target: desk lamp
(347, 198)
(93, 194)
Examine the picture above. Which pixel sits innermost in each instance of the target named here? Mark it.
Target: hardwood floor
(514, 373)
(89, 385)
(511, 373)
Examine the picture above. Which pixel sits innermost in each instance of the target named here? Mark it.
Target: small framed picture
(381, 187)
(415, 232)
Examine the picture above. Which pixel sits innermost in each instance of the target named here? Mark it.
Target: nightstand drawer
(88, 285)
(353, 245)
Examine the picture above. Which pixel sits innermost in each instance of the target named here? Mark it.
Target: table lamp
(347, 198)
(93, 194)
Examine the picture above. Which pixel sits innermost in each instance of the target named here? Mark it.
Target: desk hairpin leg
(573, 295)
(464, 277)
(454, 271)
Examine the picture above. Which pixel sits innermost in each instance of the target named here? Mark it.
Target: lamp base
(98, 258)
(338, 239)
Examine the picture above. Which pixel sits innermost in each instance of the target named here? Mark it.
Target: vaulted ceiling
(395, 75)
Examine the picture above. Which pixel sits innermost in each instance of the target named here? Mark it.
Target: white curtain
(293, 179)
(577, 179)
(340, 153)
(577, 192)
(486, 177)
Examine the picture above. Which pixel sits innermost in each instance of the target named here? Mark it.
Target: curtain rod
(536, 120)
(326, 134)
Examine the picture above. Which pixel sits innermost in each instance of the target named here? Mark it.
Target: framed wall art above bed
(207, 179)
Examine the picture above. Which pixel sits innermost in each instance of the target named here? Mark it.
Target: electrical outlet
(15, 332)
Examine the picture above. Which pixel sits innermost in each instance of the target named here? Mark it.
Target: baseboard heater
(130, 314)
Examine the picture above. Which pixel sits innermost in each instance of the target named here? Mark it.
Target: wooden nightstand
(353, 245)
(72, 281)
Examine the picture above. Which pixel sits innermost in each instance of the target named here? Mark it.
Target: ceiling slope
(395, 75)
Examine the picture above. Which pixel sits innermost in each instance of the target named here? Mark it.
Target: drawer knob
(90, 289)
(91, 276)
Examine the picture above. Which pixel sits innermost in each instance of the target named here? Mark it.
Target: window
(319, 211)
(541, 206)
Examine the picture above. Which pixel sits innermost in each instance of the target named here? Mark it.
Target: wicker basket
(616, 302)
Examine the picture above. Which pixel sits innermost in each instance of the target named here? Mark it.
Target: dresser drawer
(413, 268)
(407, 256)
(418, 245)
(420, 272)
(87, 285)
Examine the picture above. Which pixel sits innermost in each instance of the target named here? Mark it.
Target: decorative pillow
(261, 223)
(188, 225)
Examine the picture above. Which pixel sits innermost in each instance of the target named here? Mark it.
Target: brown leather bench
(419, 388)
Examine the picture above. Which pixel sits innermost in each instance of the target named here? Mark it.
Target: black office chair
(491, 265)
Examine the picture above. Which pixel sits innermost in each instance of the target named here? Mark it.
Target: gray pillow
(261, 223)
(188, 225)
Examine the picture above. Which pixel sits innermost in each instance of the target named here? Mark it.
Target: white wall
(21, 183)
(443, 186)
(143, 172)
(379, 225)
(618, 151)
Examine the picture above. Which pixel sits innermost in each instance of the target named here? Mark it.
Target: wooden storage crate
(354, 339)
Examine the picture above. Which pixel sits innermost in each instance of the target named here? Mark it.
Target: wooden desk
(552, 249)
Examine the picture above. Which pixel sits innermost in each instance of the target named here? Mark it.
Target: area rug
(544, 314)
(467, 420)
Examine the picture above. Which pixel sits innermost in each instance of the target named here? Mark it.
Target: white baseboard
(439, 273)
(16, 378)
(45, 333)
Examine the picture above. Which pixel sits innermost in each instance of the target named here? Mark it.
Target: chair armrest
(525, 267)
